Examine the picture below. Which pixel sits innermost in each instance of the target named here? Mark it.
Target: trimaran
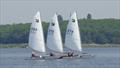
(54, 41)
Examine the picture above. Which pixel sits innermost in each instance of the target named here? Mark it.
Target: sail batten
(36, 38)
(72, 38)
(54, 41)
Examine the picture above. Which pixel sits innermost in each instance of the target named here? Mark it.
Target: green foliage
(15, 33)
(101, 31)
(60, 18)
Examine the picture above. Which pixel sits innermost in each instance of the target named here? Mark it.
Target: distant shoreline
(83, 45)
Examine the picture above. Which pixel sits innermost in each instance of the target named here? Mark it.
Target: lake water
(104, 58)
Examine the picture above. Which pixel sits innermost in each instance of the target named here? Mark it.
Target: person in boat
(35, 56)
(70, 54)
(51, 54)
(80, 56)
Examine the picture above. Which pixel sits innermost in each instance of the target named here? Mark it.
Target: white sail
(54, 41)
(36, 38)
(72, 38)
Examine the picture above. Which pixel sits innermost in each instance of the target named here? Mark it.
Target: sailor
(51, 54)
(70, 54)
(35, 55)
(80, 56)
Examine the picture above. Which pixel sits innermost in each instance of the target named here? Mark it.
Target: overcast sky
(15, 11)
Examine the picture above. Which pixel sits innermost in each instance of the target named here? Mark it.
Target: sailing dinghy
(54, 41)
(72, 38)
(36, 38)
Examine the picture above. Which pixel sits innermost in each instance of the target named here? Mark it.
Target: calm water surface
(104, 58)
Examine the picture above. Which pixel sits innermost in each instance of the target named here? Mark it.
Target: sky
(22, 11)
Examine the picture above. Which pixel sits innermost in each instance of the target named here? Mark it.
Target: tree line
(98, 31)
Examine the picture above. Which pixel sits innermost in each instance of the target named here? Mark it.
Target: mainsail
(72, 38)
(54, 41)
(36, 38)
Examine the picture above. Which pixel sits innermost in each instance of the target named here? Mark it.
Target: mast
(54, 41)
(36, 38)
(72, 38)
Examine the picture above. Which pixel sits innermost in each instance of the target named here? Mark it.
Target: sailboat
(36, 38)
(73, 39)
(54, 41)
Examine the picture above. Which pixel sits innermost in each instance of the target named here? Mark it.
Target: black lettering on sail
(37, 20)
(73, 20)
(50, 32)
(69, 32)
(33, 30)
(53, 24)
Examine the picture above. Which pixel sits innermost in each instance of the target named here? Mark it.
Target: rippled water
(104, 58)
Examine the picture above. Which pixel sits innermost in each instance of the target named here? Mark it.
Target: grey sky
(24, 10)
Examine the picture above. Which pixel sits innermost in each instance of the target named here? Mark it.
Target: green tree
(89, 16)
(60, 18)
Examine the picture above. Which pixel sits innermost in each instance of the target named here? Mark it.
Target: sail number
(69, 32)
(33, 30)
(50, 32)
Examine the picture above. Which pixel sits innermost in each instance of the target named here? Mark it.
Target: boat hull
(78, 56)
